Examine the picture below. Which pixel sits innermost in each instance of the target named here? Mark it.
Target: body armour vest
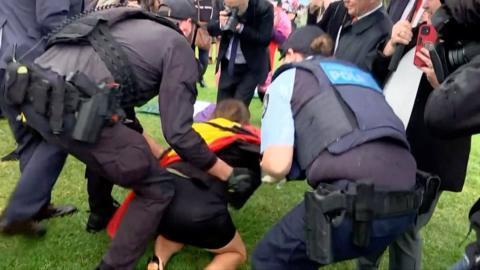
(93, 28)
(348, 110)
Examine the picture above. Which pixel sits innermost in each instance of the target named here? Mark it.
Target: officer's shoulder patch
(339, 74)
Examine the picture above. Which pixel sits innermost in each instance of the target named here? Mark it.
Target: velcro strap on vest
(112, 54)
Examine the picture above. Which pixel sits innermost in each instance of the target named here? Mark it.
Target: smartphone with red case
(427, 36)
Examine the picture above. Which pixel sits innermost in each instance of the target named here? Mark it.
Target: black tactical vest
(336, 119)
(93, 28)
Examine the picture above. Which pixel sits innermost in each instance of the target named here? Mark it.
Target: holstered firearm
(102, 108)
(323, 209)
(329, 204)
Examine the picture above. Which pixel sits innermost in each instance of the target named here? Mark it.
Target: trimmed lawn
(68, 246)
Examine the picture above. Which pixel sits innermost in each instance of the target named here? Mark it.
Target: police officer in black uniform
(73, 96)
(328, 120)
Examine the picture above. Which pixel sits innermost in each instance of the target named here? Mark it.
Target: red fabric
(273, 49)
(417, 6)
(117, 217)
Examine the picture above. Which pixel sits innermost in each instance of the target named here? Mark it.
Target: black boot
(98, 221)
(12, 156)
(52, 211)
(25, 227)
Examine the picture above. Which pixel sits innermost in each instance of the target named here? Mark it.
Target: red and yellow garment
(218, 133)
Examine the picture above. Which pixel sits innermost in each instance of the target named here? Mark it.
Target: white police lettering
(346, 75)
(339, 74)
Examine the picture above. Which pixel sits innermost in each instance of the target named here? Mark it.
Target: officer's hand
(239, 181)
(240, 185)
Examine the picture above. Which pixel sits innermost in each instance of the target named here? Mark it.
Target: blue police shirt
(277, 119)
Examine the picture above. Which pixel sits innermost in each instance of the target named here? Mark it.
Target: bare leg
(164, 249)
(230, 256)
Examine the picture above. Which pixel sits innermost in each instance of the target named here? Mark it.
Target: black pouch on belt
(17, 80)
(431, 185)
(39, 93)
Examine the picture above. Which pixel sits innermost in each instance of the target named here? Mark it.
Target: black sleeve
(381, 62)
(263, 34)
(213, 26)
(312, 15)
(327, 16)
(177, 94)
(453, 109)
(464, 11)
(50, 14)
(380, 66)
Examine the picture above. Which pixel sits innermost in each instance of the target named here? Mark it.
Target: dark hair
(149, 5)
(322, 45)
(233, 110)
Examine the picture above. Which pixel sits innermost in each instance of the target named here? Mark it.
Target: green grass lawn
(68, 246)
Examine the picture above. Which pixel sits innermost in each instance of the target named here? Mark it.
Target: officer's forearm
(221, 170)
(277, 160)
(156, 149)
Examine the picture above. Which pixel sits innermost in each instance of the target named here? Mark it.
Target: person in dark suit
(446, 158)
(357, 28)
(22, 25)
(243, 54)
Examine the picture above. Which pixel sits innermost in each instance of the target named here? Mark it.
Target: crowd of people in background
(318, 124)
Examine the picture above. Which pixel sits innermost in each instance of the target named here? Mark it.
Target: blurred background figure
(203, 40)
(245, 27)
(357, 27)
(315, 10)
(281, 30)
(446, 158)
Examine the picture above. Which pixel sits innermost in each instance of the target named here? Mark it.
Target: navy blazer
(358, 42)
(255, 37)
(396, 8)
(24, 22)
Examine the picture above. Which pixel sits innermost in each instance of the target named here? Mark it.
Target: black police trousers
(122, 156)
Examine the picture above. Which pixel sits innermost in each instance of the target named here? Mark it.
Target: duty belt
(93, 105)
(363, 203)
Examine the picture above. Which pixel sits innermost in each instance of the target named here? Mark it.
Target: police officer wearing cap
(183, 13)
(74, 95)
(327, 121)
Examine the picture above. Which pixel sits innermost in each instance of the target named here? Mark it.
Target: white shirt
(409, 8)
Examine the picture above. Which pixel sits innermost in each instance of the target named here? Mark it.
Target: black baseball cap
(179, 9)
(301, 39)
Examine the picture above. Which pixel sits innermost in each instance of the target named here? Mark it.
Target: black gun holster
(328, 205)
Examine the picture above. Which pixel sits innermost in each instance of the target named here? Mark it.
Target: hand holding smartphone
(427, 36)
